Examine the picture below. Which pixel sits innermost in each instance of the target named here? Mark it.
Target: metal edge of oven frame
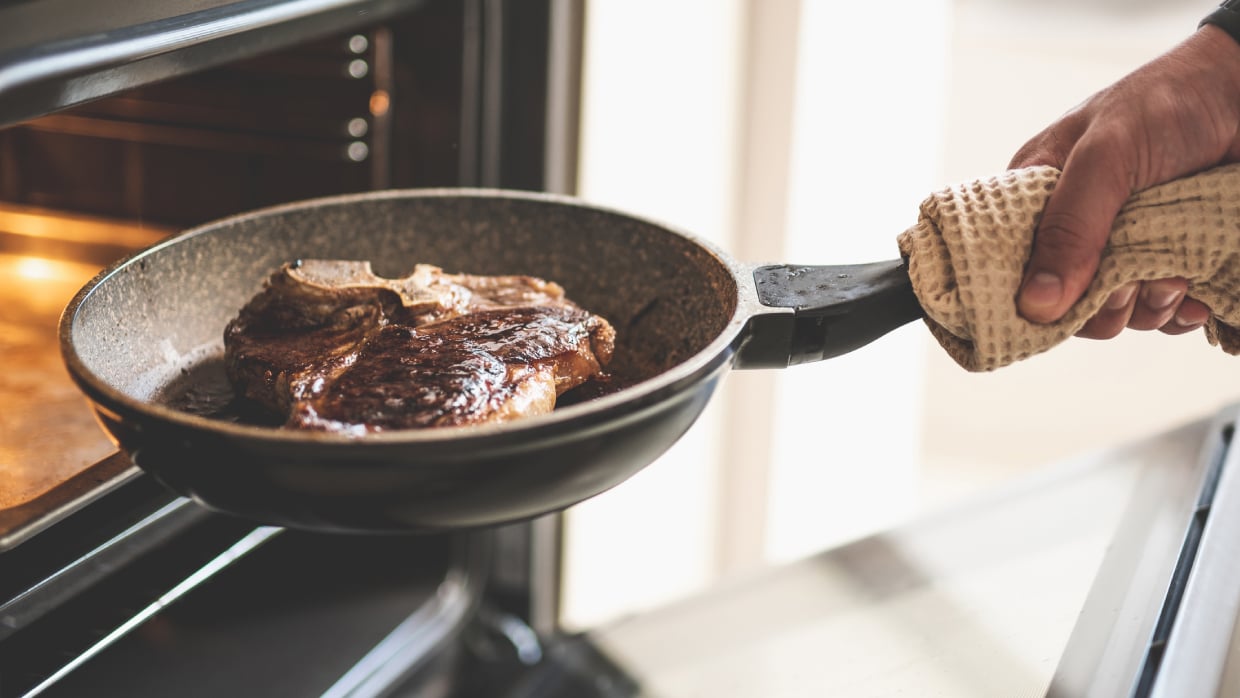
(1200, 656)
(77, 50)
(18, 524)
(1160, 614)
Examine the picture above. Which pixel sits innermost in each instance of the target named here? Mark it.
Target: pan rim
(697, 367)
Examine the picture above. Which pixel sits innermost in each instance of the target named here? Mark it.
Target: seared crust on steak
(333, 347)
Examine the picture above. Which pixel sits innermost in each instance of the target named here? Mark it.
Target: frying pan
(684, 312)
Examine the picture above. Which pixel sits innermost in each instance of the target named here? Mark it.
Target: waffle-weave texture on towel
(968, 250)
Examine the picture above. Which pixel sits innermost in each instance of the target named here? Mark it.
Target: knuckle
(1067, 230)
(1065, 238)
(1033, 153)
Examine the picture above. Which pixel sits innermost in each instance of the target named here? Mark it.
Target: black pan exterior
(141, 325)
(447, 485)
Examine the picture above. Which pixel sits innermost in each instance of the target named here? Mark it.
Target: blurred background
(808, 132)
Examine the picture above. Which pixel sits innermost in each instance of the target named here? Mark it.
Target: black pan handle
(835, 309)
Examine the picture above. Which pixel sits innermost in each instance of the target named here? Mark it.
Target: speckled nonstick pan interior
(684, 314)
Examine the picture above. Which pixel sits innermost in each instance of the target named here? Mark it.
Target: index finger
(1053, 145)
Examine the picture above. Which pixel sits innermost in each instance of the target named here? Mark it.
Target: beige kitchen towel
(968, 250)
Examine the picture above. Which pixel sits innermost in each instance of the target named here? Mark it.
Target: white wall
(682, 122)
(658, 139)
(867, 147)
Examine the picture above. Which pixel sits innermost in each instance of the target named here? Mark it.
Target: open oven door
(1111, 575)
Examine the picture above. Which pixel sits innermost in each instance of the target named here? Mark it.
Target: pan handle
(835, 309)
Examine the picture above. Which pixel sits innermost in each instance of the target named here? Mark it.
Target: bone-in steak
(333, 347)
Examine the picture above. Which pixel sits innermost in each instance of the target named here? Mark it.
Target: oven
(122, 123)
(125, 122)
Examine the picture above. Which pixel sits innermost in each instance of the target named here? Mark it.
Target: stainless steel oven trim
(1111, 643)
(75, 50)
(20, 523)
(1197, 652)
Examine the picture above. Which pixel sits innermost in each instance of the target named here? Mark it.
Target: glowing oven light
(380, 101)
(35, 268)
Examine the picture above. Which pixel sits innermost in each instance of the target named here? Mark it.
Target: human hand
(1174, 116)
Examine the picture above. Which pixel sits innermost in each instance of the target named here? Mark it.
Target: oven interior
(110, 584)
(85, 186)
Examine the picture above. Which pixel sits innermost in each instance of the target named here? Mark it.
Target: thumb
(1071, 235)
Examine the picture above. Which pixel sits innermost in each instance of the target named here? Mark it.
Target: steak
(330, 346)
